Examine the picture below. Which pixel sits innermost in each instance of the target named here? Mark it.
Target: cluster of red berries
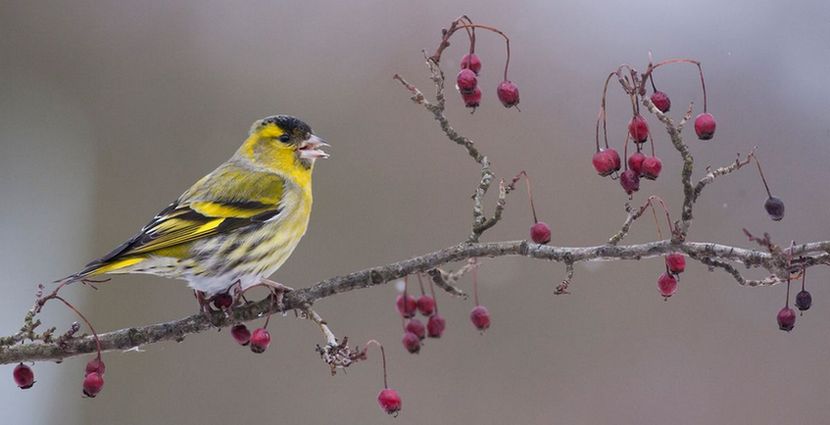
(667, 282)
(93, 383)
(94, 376)
(607, 160)
(414, 329)
(467, 78)
(803, 301)
(258, 341)
(467, 84)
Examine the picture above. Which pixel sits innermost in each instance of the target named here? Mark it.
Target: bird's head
(283, 143)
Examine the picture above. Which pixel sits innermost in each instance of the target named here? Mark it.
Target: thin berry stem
(803, 278)
(761, 172)
(602, 113)
(651, 139)
(787, 301)
(421, 283)
(651, 69)
(475, 280)
(434, 298)
(91, 328)
(653, 198)
(625, 150)
(656, 222)
(382, 356)
(499, 32)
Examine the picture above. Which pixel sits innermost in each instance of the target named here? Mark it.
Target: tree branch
(815, 253)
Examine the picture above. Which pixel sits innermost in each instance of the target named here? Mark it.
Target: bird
(234, 227)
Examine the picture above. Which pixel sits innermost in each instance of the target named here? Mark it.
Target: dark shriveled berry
(667, 285)
(630, 181)
(471, 61)
(417, 327)
(24, 377)
(93, 384)
(480, 317)
(389, 401)
(241, 334)
(606, 161)
(466, 81)
(508, 94)
(260, 340)
(676, 262)
(426, 305)
(407, 305)
(775, 208)
(651, 167)
(635, 162)
(435, 326)
(222, 301)
(705, 126)
(411, 342)
(786, 319)
(540, 233)
(803, 300)
(638, 129)
(661, 101)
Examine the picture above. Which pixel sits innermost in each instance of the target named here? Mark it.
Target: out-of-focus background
(109, 110)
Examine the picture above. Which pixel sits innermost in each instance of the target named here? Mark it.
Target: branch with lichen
(811, 254)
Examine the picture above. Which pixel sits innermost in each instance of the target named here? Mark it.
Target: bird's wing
(228, 199)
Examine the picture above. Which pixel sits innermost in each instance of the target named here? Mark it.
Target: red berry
(426, 305)
(630, 181)
(786, 319)
(606, 161)
(540, 233)
(472, 100)
(406, 305)
(651, 167)
(222, 301)
(435, 326)
(508, 94)
(661, 101)
(775, 208)
(635, 162)
(389, 401)
(638, 129)
(480, 317)
(260, 340)
(93, 383)
(676, 262)
(241, 334)
(667, 285)
(96, 365)
(466, 81)
(411, 342)
(803, 300)
(24, 377)
(471, 61)
(705, 126)
(417, 327)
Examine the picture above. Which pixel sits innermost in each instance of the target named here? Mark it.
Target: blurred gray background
(109, 110)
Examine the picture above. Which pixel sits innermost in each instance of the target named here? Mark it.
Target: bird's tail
(99, 267)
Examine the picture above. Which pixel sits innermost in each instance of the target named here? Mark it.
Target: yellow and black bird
(237, 225)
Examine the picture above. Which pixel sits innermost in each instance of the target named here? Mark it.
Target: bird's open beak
(310, 149)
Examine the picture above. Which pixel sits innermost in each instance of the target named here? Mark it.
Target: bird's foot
(278, 291)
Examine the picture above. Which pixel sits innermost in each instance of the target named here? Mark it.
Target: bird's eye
(285, 138)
